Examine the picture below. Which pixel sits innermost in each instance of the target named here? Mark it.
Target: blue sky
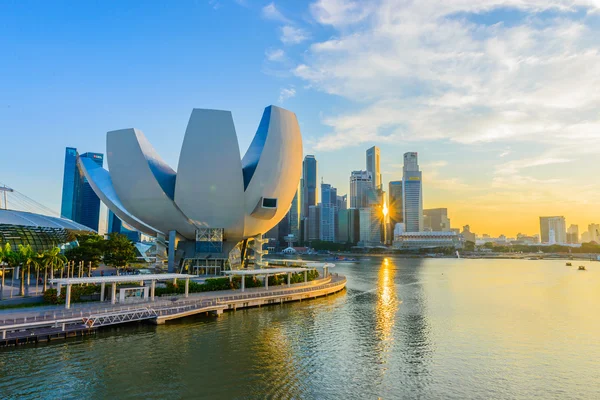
(499, 97)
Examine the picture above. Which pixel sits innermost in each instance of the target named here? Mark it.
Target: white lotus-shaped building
(212, 188)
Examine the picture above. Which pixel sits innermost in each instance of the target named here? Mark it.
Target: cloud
(293, 35)
(272, 13)
(432, 69)
(339, 12)
(286, 93)
(275, 55)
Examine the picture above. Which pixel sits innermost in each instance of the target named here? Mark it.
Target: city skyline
(503, 137)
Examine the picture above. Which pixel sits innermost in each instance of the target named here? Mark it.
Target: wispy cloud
(293, 35)
(286, 93)
(271, 12)
(430, 70)
(275, 55)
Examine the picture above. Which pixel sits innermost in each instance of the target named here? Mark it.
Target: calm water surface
(433, 328)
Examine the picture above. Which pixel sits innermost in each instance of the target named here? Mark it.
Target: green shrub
(50, 295)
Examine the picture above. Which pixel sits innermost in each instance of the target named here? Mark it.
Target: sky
(500, 98)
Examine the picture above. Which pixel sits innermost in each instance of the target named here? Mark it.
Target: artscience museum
(216, 201)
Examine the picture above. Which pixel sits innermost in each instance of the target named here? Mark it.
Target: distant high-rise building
(468, 235)
(342, 202)
(314, 222)
(309, 190)
(373, 166)
(573, 234)
(438, 219)
(361, 187)
(553, 230)
(370, 227)
(328, 213)
(343, 227)
(79, 202)
(412, 194)
(594, 231)
(293, 215)
(353, 225)
(585, 237)
(395, 208)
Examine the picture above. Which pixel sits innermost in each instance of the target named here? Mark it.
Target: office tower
(370, 227)
(594, 231)
(412, 194)
(314, 222)
(342, 202)
(361, 187)
(395, 206)
(438, 220)
(79, 201)
(343, 226)
(553, 230)
(468, 235)
(353, 225)
(71, 183)
(373, 166)
(294, 215)
(115, 225)
(309, 190)
(328, 213)
(573, 234)
(585, 237)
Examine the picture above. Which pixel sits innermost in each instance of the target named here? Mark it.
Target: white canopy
(120, 278)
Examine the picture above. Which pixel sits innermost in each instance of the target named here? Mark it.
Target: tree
(53, 259)
(28, 256)
(469, 246)
(118, 251)
(4, 256)
(90, 249)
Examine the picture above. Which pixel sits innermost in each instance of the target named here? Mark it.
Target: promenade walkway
(47, 320)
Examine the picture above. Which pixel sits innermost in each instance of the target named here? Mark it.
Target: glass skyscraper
(373, 166)
(309, 181)
(328, 230)
(412, 194)
(79, 202)
(395, 207)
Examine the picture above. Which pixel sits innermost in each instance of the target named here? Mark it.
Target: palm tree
(54, 260)
(27, 258)
(13, 259)
(37, 265)
(4, 251)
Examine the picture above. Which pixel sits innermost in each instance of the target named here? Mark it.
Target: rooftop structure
(40, 231)
(424, 240)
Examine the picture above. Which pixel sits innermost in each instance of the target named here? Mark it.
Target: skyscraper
(395, 208)
(342, 202)
(328, 213)
(309, 179)
(314, 222)
(573, 234)
(79, 201)
(373, 166)
(594, 231)
(412, 194)
(361, 186)
(294, 215)
(438, 219)
(553, 230)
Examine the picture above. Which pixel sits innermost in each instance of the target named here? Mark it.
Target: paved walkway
(79, 310)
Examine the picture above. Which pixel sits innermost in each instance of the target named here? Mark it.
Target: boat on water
(342, 259)
(569, 264)
(581, 268)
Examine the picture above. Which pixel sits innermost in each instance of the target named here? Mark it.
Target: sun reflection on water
(387, 305)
